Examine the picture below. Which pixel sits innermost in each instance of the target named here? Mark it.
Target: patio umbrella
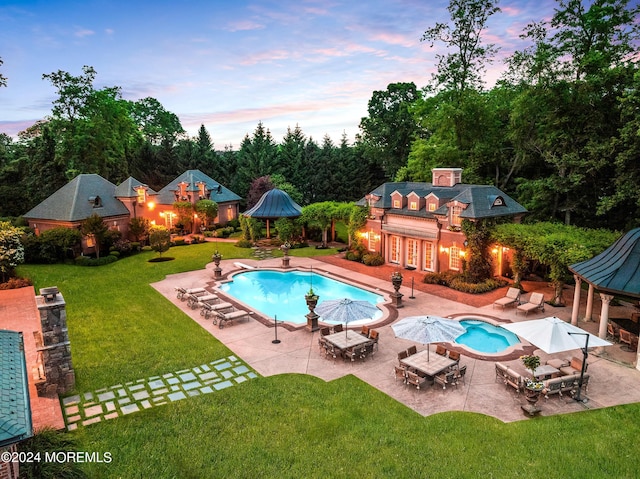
(428, 329)
(553, 335)
(345, 310)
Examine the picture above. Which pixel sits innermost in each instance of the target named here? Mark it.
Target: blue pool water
(281, 293)
(486, 338)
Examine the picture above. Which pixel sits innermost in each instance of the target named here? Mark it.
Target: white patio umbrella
(428, 329)
(345, 310)
(553, 335)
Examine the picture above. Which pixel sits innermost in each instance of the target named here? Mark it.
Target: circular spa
(281, 293)
(484, 337)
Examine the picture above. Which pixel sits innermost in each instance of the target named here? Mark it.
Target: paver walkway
(108, 403)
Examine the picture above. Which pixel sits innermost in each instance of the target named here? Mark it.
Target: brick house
(87, 194)
(418, 225)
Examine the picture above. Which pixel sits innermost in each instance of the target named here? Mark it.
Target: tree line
(559, 131)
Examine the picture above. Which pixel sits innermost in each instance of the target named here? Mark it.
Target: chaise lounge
(512, 297)
(536, 301)
(224, 318)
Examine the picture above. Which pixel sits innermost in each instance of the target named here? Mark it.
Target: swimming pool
(281, 293)
(485, 337)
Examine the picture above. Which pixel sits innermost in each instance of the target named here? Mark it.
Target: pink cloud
(395, 39)
(244, 25)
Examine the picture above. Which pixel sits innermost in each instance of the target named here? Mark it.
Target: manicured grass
(290, 425)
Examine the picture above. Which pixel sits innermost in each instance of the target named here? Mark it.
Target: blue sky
(230, 64)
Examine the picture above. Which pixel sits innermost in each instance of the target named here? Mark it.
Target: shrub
(122, 246)
(88, 261)
(443, 278)
(115, 253)
(373, 259)
(243, 243)
(15, 283)
(457, 281)
(179, 242)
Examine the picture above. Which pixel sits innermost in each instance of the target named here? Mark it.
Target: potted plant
(532, 386)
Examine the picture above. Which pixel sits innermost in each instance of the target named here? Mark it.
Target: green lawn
(290, 425)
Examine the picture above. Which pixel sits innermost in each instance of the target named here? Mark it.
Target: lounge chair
(223, 318)
(536, 301)
(183, 293)
(512, 297)
(197, 300)
(208, 309)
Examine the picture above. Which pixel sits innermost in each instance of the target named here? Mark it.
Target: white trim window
(395, 249)
(412, 252)
(428, 256)
(372, 240)
(454, 258)
(456, 211)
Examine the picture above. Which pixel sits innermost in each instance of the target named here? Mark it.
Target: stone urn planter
(312, 317)
(285, 251)
(217, 271)
(396, 296)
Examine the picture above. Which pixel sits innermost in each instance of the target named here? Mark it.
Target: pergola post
(604, 314)
(576, 300)
(588, 314)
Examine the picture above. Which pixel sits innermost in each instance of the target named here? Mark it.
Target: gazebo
(614, 271)
(272, 205)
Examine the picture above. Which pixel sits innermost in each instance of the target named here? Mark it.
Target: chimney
(446, 176)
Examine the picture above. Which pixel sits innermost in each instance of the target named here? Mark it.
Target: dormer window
(95, 201)
(432, 207)
(455, 215)
(413, 206)
(397, 203)
(202, 190)
(142, 194)
(496, 200)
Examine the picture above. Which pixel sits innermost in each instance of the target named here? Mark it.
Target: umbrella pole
(585, 354)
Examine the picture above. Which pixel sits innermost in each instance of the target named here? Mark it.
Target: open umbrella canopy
(345, 310)
(428, 329)
(553, 335)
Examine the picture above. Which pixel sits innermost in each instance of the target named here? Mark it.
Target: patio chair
(444, 379)
(400, 373)
(415, 380)
(356, 352)
(612, 333)
(401, 356)
(338, 328)
(412, 350)
(441, 350)
(374, 336)
(536, 301)
(627, 340)
(461, 373)
(365, 330)
(331, 350)
(454, 355)
(325, 331)
(512, 297)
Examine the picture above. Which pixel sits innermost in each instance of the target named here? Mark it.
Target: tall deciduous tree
(94, 227)
(391, 127)
(462, 67)
(11, 249)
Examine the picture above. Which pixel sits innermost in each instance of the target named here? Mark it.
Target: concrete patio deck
(613, 380)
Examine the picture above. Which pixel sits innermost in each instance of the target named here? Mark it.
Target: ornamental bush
(373, 259)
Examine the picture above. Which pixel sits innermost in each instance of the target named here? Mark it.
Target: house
(89, 194)
(418, 225)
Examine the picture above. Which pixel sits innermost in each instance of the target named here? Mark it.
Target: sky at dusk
(230, 64)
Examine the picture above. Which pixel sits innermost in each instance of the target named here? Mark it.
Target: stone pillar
(604, 315)
(55, 347)
(576, 300)
(588, 314)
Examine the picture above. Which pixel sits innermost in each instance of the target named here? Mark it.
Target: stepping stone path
(109, 403)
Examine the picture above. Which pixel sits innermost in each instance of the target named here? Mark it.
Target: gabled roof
(616, 269)
(15, 409)
(192, 178)
(80, 198)
(275, 204)
(484, 201)
(127, 189)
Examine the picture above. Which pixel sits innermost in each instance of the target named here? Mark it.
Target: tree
(184, 210)
(208, 210)
(139, 228)
(3, 79)
(11, 249)
(156, 123)
(159, 239)
(258, 188)
(462, 69)
(95, 228)
(258, 156)
(391, 126)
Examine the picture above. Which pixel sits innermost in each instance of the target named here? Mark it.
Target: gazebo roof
(275, 204)
(616, 269)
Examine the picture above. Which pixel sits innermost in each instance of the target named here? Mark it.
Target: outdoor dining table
(345, 341)
(544, 372)
(428, 364)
